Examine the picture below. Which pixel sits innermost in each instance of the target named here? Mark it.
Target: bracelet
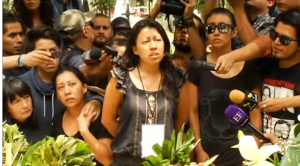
(188, 22)
(20, 61)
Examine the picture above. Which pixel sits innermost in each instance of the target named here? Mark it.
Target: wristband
(20, 61)
(188, 22)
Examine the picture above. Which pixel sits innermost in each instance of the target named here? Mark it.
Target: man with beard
(102, 30)
(183, 52)
(260, 47)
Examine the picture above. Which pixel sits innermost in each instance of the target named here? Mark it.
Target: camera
(172, 7)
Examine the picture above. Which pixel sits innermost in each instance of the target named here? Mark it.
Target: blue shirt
(58, 8)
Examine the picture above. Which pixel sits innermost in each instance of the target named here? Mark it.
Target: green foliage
(103, 6)
(64, 151)
(12, 135)
(173, 151)
(7, 6)
(292, 156)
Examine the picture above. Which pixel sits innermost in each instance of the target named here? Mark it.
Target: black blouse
(96, 128)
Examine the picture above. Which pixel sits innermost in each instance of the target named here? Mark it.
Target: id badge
(151, 134)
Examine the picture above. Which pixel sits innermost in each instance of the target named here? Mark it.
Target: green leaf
(166, 149)
(297, 130)
(157, 149)
(179, 137)
(153, 160)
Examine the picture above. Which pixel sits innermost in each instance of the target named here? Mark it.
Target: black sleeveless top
(135, 111)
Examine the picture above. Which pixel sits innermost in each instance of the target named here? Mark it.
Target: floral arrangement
(63, 151)
(175, 151)
(258, 156)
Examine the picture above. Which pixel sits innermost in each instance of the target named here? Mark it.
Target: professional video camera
(172, 7)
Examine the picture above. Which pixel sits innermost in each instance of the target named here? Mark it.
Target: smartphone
(111, 51)
(56, 54)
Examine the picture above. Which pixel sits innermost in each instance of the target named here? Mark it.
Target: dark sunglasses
(223, 28)
(284, 40)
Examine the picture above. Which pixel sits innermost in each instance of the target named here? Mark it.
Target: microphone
(200, 64)
(219, 94)
(92, 56)
(246, 101)
(239, 118)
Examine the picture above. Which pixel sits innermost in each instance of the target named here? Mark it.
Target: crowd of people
(48, 69)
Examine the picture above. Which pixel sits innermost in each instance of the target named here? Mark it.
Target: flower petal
(266, 151)
(248, 148)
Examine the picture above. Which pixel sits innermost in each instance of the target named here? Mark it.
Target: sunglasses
(223, 28)
(284, 40)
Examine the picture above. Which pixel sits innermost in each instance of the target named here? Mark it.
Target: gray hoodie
(44, 97)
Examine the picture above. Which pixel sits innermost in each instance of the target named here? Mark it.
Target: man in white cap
(78, 27)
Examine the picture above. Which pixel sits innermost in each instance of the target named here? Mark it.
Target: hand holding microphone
(247, 101)
(200, 64)
(239, 118)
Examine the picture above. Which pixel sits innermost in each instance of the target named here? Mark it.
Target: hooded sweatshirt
(44, 97)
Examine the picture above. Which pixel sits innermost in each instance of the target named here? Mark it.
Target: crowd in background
(55, 56)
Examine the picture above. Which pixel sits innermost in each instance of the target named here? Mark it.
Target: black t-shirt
(217, 132)
(35, 129)
(280, 83)
(96, 128)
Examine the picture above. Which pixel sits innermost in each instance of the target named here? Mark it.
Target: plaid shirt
(263, 24)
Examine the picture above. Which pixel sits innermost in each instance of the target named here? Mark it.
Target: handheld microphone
(239, 118)
(200, 64)
(91, 56)
(219, 94)
(246, 101)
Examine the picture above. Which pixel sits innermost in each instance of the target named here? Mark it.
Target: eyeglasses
(223, 28)
(284, 40)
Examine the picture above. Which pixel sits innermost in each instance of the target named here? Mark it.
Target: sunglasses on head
(222, 28)
(284, 40)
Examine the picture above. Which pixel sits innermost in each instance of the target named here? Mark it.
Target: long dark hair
(131, 61)
(13, 87)
(228, 13)
(45, 11)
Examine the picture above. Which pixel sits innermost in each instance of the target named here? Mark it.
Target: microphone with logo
(92, 56)
(239, 118)
(246, 101)
(200, 64)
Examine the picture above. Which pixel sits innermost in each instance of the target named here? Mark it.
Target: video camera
(172, 7)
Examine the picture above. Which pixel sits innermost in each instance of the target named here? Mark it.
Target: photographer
(183, 52)
(78, 27)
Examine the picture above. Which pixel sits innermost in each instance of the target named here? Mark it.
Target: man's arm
(155, 10)
(259, 48)
(30, 59)
(10, 62)
(246, 31)
(210, 5)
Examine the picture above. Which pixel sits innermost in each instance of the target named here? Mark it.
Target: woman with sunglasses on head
(208, 94)
(18, 109)
(148, 95)
(34, 12)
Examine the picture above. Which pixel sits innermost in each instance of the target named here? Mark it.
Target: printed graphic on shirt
(279, 123)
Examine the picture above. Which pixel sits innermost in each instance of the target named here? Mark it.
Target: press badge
(151, 134)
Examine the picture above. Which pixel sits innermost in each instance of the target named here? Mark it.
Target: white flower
(257, 157)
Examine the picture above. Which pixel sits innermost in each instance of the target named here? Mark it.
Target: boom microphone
(246, 101)
(200, 64)
(239, 118)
